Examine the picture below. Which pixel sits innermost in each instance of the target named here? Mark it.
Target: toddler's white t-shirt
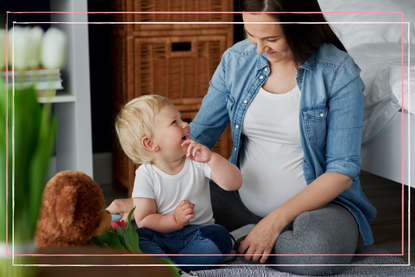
(192, 184)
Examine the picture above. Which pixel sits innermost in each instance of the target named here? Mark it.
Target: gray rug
(392, 266)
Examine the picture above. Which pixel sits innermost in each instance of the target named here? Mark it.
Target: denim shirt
(331, 115)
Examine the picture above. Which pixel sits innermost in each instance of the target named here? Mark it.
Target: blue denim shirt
(331, 115)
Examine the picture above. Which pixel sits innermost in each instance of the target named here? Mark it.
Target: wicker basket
(174, 11)
(176, 67)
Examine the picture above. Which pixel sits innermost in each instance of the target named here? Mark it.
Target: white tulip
(35, 37)
(19, 41)
(53, 48)
(2, 49)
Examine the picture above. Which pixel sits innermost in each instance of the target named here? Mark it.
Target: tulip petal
(35, 37)
(53, 48)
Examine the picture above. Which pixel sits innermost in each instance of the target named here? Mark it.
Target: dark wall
(24, 6)
(100, 73)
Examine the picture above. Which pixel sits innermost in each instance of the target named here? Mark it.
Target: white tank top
(271, 159)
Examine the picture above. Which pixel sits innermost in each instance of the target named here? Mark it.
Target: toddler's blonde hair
(135, 121)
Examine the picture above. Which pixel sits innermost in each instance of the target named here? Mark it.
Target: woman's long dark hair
(303, 39)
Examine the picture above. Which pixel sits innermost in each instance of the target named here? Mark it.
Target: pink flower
(120, 223)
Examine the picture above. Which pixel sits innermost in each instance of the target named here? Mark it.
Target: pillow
(354, 34)
(382, 74)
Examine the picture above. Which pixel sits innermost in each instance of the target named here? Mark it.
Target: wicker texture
(176, 74)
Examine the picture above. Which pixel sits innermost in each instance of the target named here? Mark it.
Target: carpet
(363, 266)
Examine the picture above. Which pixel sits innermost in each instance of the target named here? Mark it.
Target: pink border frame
(402, 24)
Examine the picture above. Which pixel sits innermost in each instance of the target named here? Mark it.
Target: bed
(377, 48)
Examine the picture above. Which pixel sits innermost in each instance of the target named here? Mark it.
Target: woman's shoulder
(242, 56)
(330, 57)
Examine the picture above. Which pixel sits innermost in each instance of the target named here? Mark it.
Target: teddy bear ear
(65, 206)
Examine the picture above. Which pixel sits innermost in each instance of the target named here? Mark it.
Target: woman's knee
(328, 237)
(330, 230)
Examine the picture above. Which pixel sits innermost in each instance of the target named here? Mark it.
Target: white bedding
(377, 49)
(381, 65)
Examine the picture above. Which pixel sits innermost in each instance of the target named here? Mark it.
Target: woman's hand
(121, 206)
(261, 240)
(197, 152)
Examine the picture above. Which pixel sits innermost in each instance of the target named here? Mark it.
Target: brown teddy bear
(72, 211)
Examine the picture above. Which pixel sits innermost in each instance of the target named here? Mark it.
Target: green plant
(125, 239)
(31, 137)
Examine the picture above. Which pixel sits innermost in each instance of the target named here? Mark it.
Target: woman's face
(269, 38)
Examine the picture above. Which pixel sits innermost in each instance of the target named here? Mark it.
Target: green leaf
(24, 115)
(120, 232)
(125, 244)
(3, 160)
(39, 163)
(97, 241)
(131, 236)
(173, 267)
(111, 239)
(121, 235)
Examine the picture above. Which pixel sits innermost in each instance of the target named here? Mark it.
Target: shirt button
(237, 126)
(235, 149)
(245, 101)
(261, 77)
(322, 114)
(301, 80)
(304, 160)
(266, 69)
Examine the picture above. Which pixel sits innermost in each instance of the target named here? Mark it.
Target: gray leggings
(330, 230)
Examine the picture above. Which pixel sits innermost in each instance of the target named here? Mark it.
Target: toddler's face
(169, 131)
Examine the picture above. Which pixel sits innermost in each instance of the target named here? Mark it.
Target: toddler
(171, 187)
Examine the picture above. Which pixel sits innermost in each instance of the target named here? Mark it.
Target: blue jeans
(192, 239)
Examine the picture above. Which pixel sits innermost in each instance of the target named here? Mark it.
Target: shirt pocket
(315, 119)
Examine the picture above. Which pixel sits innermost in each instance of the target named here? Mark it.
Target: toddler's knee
(219, 236)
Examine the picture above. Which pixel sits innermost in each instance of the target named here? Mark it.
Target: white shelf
(60, 97)
(73, 107)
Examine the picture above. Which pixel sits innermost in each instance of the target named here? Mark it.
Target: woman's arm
(319, 193)
(212, 118)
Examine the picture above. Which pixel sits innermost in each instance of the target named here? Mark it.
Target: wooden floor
(384, 194)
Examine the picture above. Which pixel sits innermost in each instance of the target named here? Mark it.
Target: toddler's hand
(184, 212)
(197, 152)
(121, 206)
